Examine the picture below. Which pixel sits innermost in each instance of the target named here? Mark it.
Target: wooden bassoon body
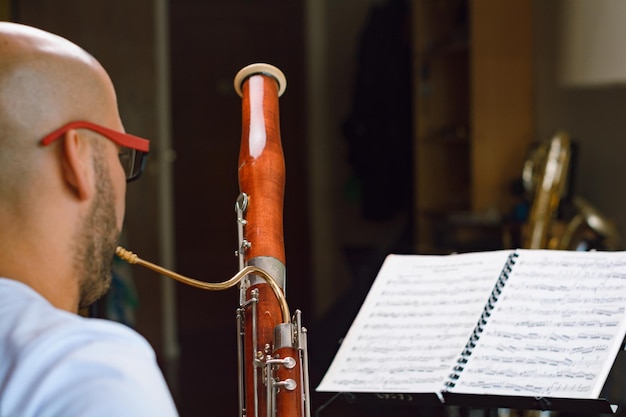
(273, 347)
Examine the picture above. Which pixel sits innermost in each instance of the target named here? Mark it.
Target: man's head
(61, 203)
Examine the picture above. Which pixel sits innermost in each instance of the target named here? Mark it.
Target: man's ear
(77, 166)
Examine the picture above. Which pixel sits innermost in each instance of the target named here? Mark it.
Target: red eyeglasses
(133, 152)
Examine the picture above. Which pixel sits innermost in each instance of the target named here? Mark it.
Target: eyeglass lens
(133, 162)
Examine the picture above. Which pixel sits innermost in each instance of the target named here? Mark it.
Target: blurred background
(406, 126)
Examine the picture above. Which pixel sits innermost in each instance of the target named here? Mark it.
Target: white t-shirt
(57, 364)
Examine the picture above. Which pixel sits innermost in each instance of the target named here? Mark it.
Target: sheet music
(555, 330)
(414, 323)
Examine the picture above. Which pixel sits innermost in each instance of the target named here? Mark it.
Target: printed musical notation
(416, 318)
(552, 326)
(559, 320)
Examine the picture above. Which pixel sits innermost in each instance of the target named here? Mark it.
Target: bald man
(64, 164)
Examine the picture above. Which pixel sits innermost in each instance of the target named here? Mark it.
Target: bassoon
(272, 344)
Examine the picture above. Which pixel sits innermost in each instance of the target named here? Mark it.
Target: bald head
(46, 81)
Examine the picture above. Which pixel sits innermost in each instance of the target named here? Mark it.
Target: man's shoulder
(52, 359)
(30, 322)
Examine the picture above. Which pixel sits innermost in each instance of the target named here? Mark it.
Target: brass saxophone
(557, 222)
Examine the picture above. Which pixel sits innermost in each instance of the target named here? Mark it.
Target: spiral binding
(482, 321)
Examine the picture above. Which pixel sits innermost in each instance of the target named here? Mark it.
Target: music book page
(555, 330)
(525, 323)
(414, 323)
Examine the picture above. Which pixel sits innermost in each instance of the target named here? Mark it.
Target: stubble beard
(97, 239)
